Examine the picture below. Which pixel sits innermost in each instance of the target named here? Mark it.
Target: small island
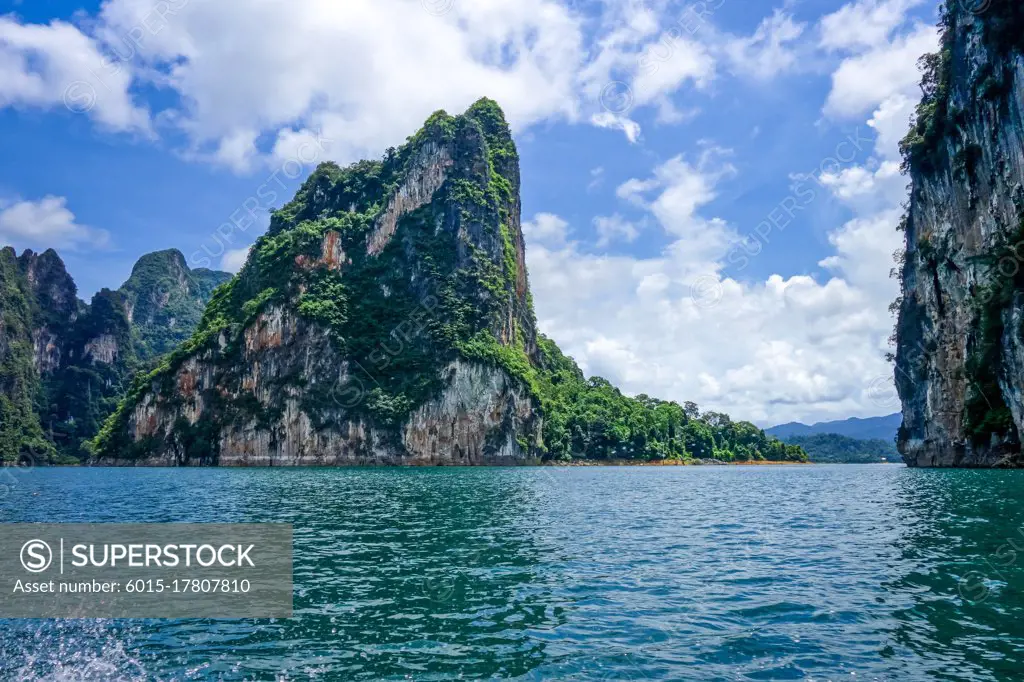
(384, 319)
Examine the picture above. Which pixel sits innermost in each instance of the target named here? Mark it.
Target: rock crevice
(960, 347)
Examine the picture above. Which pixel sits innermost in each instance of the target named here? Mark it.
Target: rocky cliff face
(384, 318)
(165, 299)
(24, 349)
(56, 306)
(119, 333)
(960, 339)
(65, 364)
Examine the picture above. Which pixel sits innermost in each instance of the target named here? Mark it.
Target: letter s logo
(36, 556)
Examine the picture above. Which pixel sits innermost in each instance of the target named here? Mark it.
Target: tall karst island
(386, 318)
(960, 331)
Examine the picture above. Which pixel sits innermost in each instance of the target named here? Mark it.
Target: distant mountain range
(881, 428)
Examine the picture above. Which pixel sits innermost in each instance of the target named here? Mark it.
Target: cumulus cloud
(57, 66)
(770, 50)
(547, 229)
(863, 24)
(234, 259)
(293, 73)
(606, 119)
(868, 190)
(290, 71)
(240, 101)
(674, 195)
(644, 56)
(245, 101)
(238, 149)
(614, 228)
(46, 223)
(661, 67)
(788, 347)
(864, 81)
(785, 348)
(294, 68)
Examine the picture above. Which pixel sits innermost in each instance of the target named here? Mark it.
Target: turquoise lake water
(715, 573)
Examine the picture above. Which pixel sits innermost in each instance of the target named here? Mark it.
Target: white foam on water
(70, 651)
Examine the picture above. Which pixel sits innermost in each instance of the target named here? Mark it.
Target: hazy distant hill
(831, 448)
(882, 428)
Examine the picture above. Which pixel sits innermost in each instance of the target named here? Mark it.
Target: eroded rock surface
(960, 351)
(373, 324)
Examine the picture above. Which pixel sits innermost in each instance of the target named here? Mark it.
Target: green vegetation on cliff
(65, 365)
(986, 412)
(166, 300)
(961, 281)
(938, 120)
(591, 419)
(21, 434)
(397, 308)
(119, 334)
(938, 127)
(98, 364)
(398, 330)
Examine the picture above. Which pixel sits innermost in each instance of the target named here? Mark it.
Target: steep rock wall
(960, 349)
(384, 319)
(474, 420)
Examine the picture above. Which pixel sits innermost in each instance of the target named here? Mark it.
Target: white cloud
(616, 48)
(863, 24)
(547, 229)
(247, 82)
(46, 223)
(342, 66)
(614, 228)
(234, 259)
(672, 326)
(57, 66)
(890, 122)
(865, 81)
(676, 326)
(661, 69)
(609, 120)
(769, 51)
(867, 190)
(864, 249)
(681, 189)
(238, 149)
(646, 56)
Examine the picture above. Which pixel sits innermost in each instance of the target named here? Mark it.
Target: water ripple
(719, 573)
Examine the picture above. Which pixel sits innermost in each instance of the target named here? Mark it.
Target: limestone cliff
(165, 299)
(116, 335)
(960, 340)
(26, 346)
(55, 303)
(65, 364)
(384, 318)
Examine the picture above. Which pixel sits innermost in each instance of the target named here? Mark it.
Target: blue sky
(709, 193)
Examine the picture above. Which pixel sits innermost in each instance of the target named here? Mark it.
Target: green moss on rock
(21, 433)
(446, 285)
